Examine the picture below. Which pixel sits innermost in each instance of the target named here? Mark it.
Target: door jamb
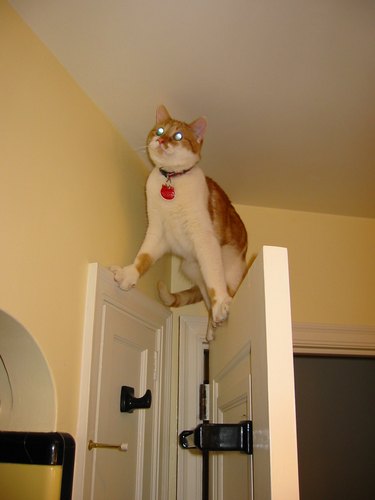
(192, 335)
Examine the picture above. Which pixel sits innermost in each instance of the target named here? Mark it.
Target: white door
(251, 372)
(125, 339)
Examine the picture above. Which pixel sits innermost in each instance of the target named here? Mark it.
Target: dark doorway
(335, 404)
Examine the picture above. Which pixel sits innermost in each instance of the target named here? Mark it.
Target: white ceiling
(287, 86)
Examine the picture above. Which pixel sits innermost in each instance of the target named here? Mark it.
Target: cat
(189, 215)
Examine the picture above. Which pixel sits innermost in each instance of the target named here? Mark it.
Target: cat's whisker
(143, 149)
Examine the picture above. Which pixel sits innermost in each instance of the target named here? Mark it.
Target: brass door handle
(118, 447)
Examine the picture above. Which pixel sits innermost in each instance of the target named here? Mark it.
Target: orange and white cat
(189, 215)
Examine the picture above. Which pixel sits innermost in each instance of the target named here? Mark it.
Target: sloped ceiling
(288, 87)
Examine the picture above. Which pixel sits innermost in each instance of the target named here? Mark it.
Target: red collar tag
(167, 191)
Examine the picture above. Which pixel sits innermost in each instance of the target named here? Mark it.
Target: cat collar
(168, 175)
(167, 190)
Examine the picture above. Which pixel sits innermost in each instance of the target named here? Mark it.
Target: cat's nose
(161, 140)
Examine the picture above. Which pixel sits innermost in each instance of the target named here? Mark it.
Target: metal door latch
(220, 437)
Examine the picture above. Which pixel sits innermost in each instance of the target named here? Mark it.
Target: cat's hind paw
(126, 277)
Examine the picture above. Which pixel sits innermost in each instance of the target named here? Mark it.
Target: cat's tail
(178, 299)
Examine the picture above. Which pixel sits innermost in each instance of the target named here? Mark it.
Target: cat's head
(175, 145)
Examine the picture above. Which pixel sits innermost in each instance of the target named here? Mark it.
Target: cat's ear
(199, 128)
(162, 114)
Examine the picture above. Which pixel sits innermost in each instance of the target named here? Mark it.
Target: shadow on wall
(27, 392)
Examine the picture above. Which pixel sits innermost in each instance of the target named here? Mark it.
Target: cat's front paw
(210, 333)
(220, 310)
(126, 277)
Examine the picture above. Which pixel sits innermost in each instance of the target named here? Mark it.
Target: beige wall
(71, 192)
(331, 262)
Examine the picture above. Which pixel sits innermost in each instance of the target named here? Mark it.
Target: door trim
(102, 288)
(331, 339)
(192, 336)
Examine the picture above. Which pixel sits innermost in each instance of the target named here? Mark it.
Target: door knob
(128, 403)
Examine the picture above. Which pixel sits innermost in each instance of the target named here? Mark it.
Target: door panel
(235, 466)
(231, 471)
(129, 354)
(257, 340)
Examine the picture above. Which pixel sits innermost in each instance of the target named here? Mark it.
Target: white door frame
(192, 343)
(101, 287)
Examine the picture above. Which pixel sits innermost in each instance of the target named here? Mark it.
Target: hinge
(204, 402)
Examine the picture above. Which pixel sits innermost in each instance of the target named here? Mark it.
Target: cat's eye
(178, 136)
(159, 131)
